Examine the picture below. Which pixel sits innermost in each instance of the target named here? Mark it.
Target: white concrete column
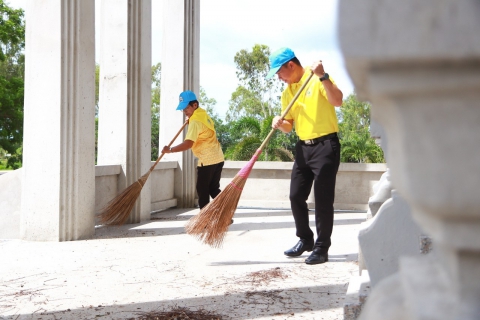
(124, 127)
(59, 135)
(418, 62)
(180, 72)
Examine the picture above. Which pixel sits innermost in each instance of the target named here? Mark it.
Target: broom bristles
(117, 211)
(211, 224)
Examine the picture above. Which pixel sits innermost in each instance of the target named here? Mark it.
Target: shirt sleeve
(322, 88)
(193, 130)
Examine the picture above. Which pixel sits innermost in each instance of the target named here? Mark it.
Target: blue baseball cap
(185, 98)
(278, 59)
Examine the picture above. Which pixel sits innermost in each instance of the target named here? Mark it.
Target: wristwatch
(325, 77)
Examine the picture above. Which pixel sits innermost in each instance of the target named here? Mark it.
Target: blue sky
(308, 27)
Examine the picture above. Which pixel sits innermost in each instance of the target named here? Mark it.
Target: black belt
(319, 139)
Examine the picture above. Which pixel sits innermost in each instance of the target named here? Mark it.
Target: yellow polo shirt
(312, 114)
(205, 144)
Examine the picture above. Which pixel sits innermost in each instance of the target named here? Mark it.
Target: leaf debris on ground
(180, 313)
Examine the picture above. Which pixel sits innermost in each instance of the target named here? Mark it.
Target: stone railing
(267, 186)
(161, 181)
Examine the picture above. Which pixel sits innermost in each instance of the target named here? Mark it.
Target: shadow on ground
(259, 303)
(156, 227)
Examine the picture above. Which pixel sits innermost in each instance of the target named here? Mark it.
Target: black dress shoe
(317, 257)
(299, 248)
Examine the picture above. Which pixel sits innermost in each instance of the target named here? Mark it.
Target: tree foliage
(12, 66)
(251, 109)
(357, 144)
(222, 129)
(256, 96)
(97, 87)
(248, 133)
(155, 110)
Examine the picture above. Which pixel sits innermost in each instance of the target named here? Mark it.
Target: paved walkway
(147, 268)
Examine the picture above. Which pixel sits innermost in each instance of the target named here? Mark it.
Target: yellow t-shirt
(312, 114)
(205, 144)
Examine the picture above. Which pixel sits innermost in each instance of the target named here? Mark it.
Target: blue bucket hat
(185, 98)
(278, 59)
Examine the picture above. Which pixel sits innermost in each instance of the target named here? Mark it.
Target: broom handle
(171, 142)
(287, 109)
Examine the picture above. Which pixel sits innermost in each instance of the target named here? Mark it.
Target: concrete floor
(155, 266)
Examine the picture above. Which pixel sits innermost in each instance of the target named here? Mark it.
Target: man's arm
(185, 145)
(283, 125)
(334, 95)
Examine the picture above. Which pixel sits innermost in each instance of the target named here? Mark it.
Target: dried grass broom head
(211, 223)
(117, 211)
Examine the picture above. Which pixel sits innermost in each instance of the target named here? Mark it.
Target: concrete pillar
(418, 62)
(58, 193)
(124, 128)
(180, 72)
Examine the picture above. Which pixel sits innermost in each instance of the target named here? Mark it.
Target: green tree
(12, 66)
(155, 110)
(361, 147)
(222, 129)
(248, 133)
(354, 125)
(97, 87)
(208, 103)
(251, 109)
(256, 96)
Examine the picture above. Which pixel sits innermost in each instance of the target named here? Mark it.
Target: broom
(117, 211)
(211, 224)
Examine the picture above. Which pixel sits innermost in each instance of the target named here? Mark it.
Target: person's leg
(214, 188)
(300, 187)
(203, 183)
(324, 164)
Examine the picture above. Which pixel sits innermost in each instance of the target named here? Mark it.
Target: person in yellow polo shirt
(202, 139)
(317, 153)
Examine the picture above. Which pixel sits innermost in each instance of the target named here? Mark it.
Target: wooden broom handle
(287, 109)
(171, 142)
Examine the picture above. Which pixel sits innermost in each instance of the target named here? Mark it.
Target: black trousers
(208, 182)
(318, 165)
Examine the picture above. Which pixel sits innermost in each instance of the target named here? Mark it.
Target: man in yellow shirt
(202, 139)
(317, 153)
